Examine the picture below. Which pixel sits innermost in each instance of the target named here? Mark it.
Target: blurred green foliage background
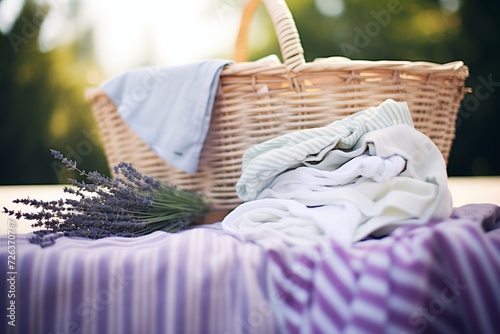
(42, 93)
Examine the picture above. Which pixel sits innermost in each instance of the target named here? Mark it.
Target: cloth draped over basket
(159, 105)
(257, 101)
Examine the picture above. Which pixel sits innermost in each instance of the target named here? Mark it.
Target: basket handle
(284, 26)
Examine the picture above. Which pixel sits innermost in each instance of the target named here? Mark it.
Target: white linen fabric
(265, 220)
(353, 171)
(389, 177)
(169, 107)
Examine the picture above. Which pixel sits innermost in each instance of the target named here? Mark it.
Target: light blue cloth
(169, 107)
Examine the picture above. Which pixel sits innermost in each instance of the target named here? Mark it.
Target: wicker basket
(257, 101)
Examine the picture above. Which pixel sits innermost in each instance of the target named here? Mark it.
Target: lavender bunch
(129, 205)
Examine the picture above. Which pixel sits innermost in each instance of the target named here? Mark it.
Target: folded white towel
(169, 107)
(291, 221)
(286, 209)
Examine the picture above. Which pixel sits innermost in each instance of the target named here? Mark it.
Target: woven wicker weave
(257, 101)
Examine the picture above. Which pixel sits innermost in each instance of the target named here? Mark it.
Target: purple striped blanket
(442, 277)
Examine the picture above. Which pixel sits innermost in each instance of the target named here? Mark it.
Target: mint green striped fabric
(263, 162)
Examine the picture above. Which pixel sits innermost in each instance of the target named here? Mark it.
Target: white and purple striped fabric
(442, 277)
(198, 281)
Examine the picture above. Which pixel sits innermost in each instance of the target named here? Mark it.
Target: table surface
(465, 190)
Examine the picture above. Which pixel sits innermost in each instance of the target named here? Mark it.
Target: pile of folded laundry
(358, 177)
